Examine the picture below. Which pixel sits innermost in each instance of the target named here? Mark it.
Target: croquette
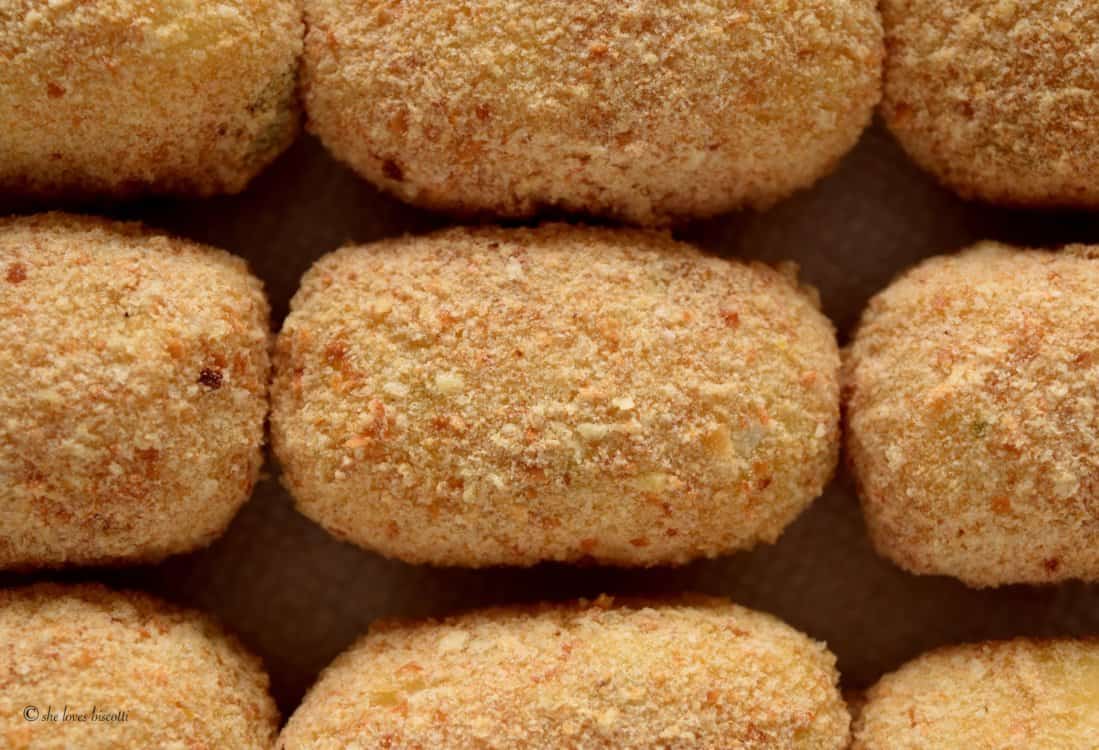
(1013, 695)
(506, 396)
(972, 389)
(133, 391)
(998, 99)
(677, 674)
(647, 112)
(124, 97)
(86, 667)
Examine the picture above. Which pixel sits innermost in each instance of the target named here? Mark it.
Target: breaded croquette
(679, 674)
(1014, 695)
(648, 112)
(122, 97)
(133, 391)
(85, 667)
(973, 416)
(507, 396)
(998, 98)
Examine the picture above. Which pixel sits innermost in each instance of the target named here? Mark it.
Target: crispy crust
(507, 396)
(119, 97)
(133, 390)
(998, 98)
(182, 681)
(643, 111)
(676, 674)
(973, 420)
(1012, 695)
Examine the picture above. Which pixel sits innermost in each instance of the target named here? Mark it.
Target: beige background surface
(297, 597)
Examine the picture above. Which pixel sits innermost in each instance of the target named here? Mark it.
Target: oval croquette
(120, 97)
(999, 99)
(143, 675)
(644, 111)
(506, 396)
(133, 390)
(972, 414)
(1014, 695)
(676, 675)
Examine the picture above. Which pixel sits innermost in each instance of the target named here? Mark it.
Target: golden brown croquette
(506, 396)
(1014, 695)
(679, 674)
(118, 97)
(973, 416)
(133, 390)
(143, 675)
(999, 99)
(643, 111)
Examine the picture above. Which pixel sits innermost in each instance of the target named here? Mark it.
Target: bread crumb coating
(154, 676)
(973, 419)
(644, 111)
(678, 674)
(121, 97)
(133, 391)
(1012, 695)
(507, 396)
(999, 99)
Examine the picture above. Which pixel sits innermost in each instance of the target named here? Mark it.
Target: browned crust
(506, 396)
(180, 678)
(133, 391)
(647, 112)
(973, 429)
(1012, 695)
(671, 673)
(998, 99)
(125, 97)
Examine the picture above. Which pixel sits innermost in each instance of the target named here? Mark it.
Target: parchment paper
(297, 597)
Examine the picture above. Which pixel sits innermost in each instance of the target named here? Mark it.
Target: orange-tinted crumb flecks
(169, 677)
(674, 674)
(121, 439)
(647, 112)
(121, 97)
(999, 100)
(1012, 695)
(508, 396)
(973, 421)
